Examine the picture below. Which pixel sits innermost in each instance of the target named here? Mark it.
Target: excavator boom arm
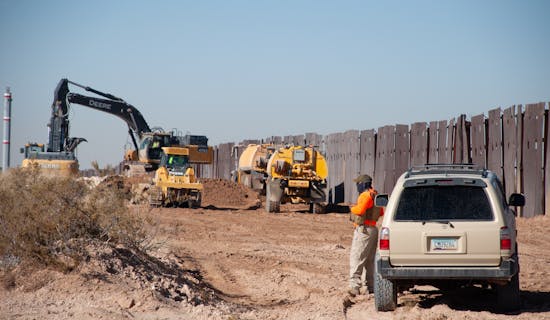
(120, 109)
(59, 122)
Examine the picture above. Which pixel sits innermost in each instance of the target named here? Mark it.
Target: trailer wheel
(276, 206)
(271, 206)
(318, 208)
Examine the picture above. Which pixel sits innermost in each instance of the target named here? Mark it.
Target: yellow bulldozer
(175, 183)
(296, 174)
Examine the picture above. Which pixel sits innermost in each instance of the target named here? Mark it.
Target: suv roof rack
(444, 168)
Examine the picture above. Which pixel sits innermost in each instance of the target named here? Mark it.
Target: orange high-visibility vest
(364, 212)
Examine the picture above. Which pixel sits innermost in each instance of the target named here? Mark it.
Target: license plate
(441, 244)
(298, 183)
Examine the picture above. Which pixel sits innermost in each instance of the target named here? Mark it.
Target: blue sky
(234, 70)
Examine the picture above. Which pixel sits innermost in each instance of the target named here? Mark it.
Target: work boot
(353, 292)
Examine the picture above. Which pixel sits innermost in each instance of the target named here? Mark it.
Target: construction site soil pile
(224, 194)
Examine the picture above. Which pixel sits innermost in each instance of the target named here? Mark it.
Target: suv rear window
(443, 203)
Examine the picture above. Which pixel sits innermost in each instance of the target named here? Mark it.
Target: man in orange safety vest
(364, 216)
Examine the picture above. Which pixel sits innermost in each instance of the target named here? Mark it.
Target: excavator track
(155, 196)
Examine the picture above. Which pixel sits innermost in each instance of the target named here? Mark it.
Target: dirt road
(294, 265)
(254, 265)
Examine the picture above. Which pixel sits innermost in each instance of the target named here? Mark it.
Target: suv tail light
(505, 239)
(384, 240)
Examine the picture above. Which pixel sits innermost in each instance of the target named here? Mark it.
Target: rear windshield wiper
(439, 221)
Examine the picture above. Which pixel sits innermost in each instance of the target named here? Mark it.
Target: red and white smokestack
(7, 131)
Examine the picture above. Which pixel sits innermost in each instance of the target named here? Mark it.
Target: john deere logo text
(100, 105)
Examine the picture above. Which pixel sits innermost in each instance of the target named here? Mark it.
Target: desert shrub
(52, 220)
(107, 170)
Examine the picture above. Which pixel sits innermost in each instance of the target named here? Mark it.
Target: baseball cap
(364, 178)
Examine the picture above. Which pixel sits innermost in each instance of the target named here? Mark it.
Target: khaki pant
(361, 258)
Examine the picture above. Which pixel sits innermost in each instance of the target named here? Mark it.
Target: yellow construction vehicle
(252, 167)
(62, 164)
(296, 174)
(59, 157)
(175, 183)
(147, 142)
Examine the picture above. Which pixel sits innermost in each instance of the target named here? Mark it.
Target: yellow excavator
(60, 152)
(296, 174)
(175, 183)
(58, 158)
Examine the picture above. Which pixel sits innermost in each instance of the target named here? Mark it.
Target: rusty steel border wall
(510, 142)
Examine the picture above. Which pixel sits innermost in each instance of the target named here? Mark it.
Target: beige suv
(447, 225)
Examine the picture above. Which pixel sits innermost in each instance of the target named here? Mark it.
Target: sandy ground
(231, 260)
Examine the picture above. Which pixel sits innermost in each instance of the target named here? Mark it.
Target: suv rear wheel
(385, 292)
(508, 295)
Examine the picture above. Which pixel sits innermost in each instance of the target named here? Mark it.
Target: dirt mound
(225, 194)
(217, 193)
(134, 188)
(114, 182)
(119, 281)
(166, 277)
(118, 182)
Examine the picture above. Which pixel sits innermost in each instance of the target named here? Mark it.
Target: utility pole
(7, 130)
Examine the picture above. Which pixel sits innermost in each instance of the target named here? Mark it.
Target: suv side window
(500, 192)
(455, 202)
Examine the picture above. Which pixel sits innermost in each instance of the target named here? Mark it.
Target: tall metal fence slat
(510, 161)
(288, 140)
(380, 160)
(368, 145)
(331, 161)
(444, 142)
(313, 139)
(477, 131)
(532, 154)
(353, 165)
(402, 150)
(547, 163)
(389, 152)
(460, 141)
(335, 164)
(451, 140)
(419, 144)
(466, 154)
(494, 148)
(519, 157)
(342, 167)
(299, 140)
(433, 142)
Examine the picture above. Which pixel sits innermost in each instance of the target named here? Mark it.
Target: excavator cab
(150, 150)
(31, 150)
